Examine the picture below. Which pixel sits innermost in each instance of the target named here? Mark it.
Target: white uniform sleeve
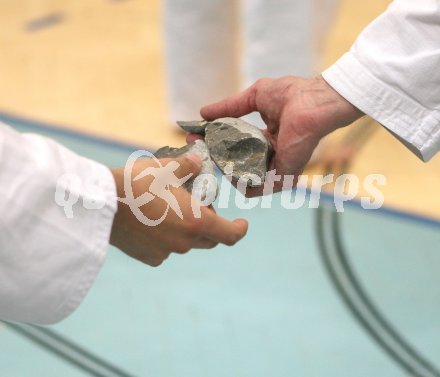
(48, 260)
(392, 73)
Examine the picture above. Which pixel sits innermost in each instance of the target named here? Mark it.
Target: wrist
(118, 176)
(338, 110)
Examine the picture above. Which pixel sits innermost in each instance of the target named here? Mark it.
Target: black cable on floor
(360, 305)
(333, 274)
(67, 350)
(343, 258)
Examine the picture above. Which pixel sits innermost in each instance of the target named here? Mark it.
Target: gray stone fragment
(206, 187)
(194, 126)
(240, 146)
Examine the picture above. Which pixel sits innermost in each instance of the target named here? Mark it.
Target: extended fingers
(235, 106)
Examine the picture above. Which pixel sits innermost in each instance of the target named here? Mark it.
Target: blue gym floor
(266, 307)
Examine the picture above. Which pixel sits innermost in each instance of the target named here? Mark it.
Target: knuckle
(155, 258)
(211, 246)
(154, 262)
(194, 227)
(182, 247)
(234, 237)
(262, 82)
(289, 90)
(231, 240)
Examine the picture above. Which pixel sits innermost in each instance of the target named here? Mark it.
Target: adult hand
(153, 244)
(297, 112)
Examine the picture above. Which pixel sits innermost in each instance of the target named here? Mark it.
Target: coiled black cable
(68, 351)
(343, 277)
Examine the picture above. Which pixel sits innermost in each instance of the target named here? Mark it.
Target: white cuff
(95, 246)
(416, 126)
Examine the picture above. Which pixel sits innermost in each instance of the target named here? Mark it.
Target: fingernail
(196, 159)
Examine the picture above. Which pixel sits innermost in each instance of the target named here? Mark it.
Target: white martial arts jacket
(48, 261)
(49, 257)
(392, 73)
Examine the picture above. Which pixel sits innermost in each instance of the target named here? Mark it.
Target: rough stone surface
(206, 187)
(237, 145)
(194, 126)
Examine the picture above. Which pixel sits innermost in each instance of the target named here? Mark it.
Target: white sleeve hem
(50, 252)
(97, 249)
(402, 115)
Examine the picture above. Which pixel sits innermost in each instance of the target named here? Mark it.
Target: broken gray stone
(238, 146)
(206, 187)
(194, 126)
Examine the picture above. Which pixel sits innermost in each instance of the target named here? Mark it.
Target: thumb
(187, 165)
